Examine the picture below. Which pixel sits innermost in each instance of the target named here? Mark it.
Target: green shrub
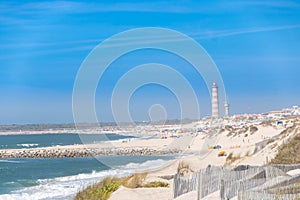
(103, 190)
(156, 184)
(100, 191)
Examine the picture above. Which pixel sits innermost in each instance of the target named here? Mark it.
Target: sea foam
(27, 145)
(63, 188)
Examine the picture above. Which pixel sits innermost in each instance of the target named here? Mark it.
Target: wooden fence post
(222, 190)
(199, 189)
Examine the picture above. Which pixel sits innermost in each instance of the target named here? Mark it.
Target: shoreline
(139, 146)
(153, 146)
(53, 186)
(71, 131)
(249, 148)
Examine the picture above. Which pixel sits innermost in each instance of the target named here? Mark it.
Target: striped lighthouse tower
(215, 100)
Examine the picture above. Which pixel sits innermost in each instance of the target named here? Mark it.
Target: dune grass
(231, 158)
(156, 184)
(183, 167)
(103, 189)
(288, 153)
(100, 191)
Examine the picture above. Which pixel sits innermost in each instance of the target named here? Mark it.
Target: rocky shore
(82, 152)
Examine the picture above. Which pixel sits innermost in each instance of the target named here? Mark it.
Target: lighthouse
(215, 100)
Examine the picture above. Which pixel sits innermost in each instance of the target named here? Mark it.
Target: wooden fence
(237, 181)
(255, 195)
(185, 184)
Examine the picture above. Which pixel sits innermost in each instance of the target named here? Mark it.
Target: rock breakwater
(82, 152)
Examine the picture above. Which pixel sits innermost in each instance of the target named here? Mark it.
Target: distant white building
(296, 110)
(226, 105)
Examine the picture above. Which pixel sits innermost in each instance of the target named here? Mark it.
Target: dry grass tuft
(156, 184)
(135, 181)
(247, 154)
(288, 153)
(231, 158)
(183, 168)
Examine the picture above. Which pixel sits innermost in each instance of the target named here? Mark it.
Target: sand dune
(240, 142)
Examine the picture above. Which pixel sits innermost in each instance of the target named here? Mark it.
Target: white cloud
(157, 6)
(83, 45)
(232, 32)
(84, 7)
(274, 4)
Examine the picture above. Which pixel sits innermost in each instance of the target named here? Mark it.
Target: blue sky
(255, 44)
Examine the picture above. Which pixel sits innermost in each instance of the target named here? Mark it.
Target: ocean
(46, 140)
(62, 178)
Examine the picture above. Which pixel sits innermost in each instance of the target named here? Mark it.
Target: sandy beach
(244, 144)
(253, 144)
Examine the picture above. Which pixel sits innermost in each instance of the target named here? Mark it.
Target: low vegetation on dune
(232, 158)
(289, 153)
(103, 190)
(100, 191)
(238, 131)
(156, 184)
(253, 129)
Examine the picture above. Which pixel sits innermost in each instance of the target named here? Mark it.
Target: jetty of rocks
(83, 152)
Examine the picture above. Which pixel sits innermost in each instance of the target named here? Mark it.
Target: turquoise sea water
(46, 140)
(62, 178)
